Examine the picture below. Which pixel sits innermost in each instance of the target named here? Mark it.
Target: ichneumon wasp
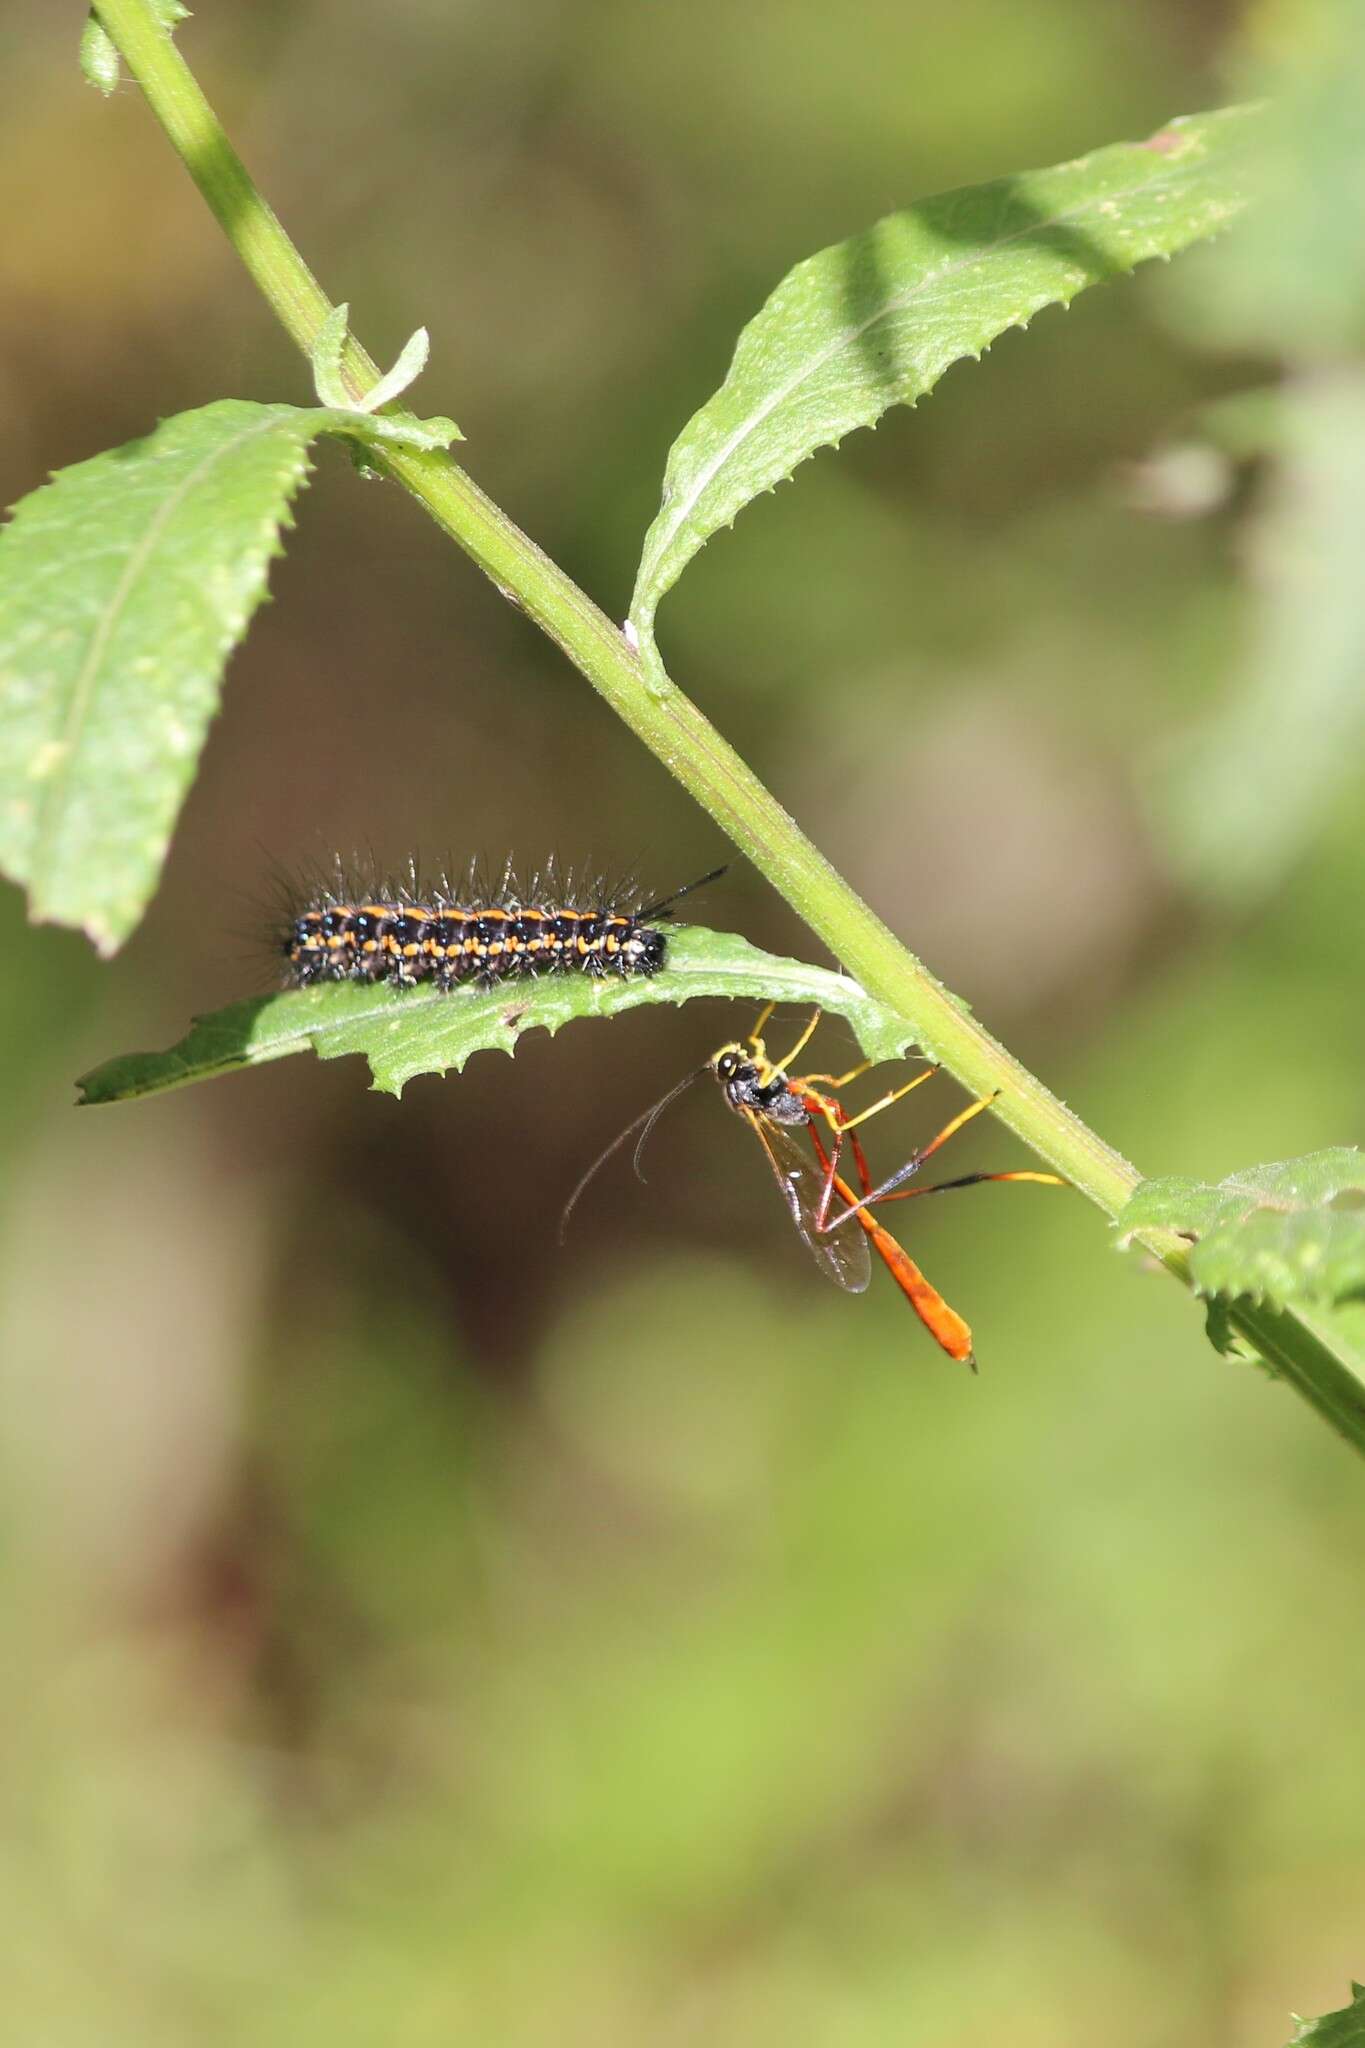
(776, 1104)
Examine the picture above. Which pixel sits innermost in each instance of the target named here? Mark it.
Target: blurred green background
(418, 1634)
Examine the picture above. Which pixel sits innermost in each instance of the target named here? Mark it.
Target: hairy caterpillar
(472, 936)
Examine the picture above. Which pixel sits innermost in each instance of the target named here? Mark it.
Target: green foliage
(99, 59)
(1343, 2029)
(406, 1032)
(1279, 1233)
(1295, 281)
(450, 1644)
(125, 583)
(401, 430)
(1242, 795)
(875, 321)
(1249, 787)
(1224, 1338)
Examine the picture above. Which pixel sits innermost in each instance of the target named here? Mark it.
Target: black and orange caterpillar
(472, 937)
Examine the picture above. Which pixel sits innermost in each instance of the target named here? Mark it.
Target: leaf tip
(328, 345)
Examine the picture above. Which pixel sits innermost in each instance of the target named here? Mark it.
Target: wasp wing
(841, 1256)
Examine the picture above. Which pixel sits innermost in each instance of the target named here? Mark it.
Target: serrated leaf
(1225, 1339)
(1271, 1233)
(1342, 2029)
(125, 583)
(875, 321)
(407, 1032)
(1318, 1255)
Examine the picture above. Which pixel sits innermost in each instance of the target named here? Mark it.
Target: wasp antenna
(656, 1113)
(648, 1118)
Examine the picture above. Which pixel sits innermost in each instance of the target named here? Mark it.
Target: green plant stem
(674, 729)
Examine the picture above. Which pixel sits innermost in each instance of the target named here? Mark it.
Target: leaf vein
(68, 740)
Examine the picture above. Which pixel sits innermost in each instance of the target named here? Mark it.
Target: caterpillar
(472, 937)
